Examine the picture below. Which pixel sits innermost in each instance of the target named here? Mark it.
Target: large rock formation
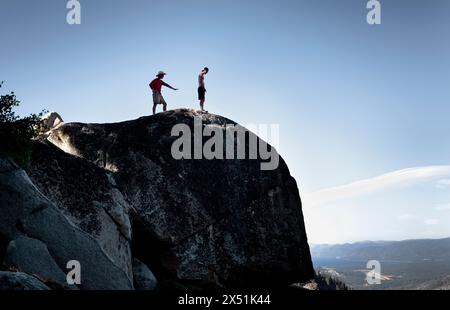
(88, 197)
(26, 212)
(19, 281)
(32, 256)
(193, 223)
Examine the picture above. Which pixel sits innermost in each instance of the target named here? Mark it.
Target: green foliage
(16, 133)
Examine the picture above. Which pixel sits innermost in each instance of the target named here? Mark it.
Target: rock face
(51, 120)
(87, 196)
(32, 257)
(113, 197)
(207, 222)
(143, 277)
(25, 211)
(19, 281)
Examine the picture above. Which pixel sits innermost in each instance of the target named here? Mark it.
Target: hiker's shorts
(201, 93)
(158, 98)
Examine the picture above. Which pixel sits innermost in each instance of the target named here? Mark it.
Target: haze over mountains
(408, 264)
(407, 250)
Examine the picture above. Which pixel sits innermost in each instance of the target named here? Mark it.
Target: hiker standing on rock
(201, 88)
(156, 86)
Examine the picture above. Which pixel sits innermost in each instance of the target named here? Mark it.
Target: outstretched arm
(167, 85)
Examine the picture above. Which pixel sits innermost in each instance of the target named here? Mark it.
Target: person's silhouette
(201, 88)
(156, 86)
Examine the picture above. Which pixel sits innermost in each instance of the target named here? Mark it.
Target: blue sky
(353, 101)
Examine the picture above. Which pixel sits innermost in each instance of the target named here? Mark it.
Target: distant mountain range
(411, 264)
(408, 250)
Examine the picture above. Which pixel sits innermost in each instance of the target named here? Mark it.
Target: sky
(363, 109)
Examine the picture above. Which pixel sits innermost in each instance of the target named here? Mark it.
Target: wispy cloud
(399, 178)
(443, 207)
(431, 221)
(406, 217)
(443, 184)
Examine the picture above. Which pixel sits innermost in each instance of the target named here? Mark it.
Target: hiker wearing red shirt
(156, 86)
